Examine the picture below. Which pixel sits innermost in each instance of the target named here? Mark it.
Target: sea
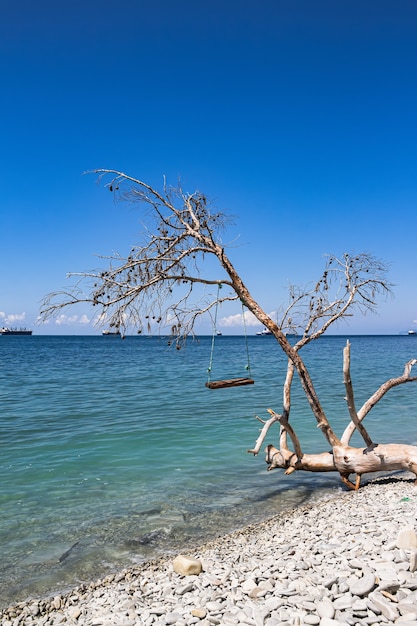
(113, 451)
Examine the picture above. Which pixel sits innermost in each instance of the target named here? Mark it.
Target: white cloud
(237, 320)
(233, 321)
(12, 318)
(67, 320)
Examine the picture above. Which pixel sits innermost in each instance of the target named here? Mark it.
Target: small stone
(343, 602)
(200, 613)
(359, 605)
(407, 539)
(187, 566)
(74, 612)
(330, 582)
(413, 561)
(325, 609)
(363, 586)
(408, 610)
(327, 621)
(257, 592)
(248, 586)
(157, 610)
(180, 591)
(172, 618)
(391, 586)
(273, 603)
(34, 609)
(343, 587)
(229, 619)
(56, 602)
(214, 607)
(387, 608)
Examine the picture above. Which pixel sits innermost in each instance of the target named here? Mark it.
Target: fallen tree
(138, 290)
(343, 458)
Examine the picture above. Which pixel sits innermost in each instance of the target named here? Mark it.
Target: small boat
(219, 333)
(264, 332)
(412, 332)
(14, 331)
(111, 333)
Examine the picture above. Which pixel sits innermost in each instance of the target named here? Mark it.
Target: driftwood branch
(377, 396)
(288, 460)
(343, 458)
(285, 426)
(290, 431)
(350, 396)
(286, 405)
(264, 431)
(347, 460)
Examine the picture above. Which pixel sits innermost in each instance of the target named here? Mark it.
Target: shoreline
(335, 561)
(55, 575)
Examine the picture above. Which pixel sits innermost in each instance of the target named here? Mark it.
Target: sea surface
(113, 451)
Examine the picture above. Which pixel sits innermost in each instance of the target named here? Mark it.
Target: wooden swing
(231, 382)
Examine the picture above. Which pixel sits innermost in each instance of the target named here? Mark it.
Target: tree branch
(286, 405)
(350, 397)
(263, 433)
(376, 397)
(347, 283)
(290, 431)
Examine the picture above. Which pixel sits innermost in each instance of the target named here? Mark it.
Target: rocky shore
(349, 560)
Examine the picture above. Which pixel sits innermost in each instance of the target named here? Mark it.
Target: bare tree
(161, 281)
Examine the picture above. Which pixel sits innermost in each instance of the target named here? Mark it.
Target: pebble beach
(350, 559)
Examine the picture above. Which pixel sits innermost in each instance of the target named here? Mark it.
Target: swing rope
(246, 342)
(219, 286)
(234, 382)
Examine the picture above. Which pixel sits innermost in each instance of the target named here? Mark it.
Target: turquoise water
(113, 451)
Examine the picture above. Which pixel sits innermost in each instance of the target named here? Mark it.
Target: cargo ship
(14, 331)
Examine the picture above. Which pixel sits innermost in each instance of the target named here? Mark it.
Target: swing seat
(232, 382)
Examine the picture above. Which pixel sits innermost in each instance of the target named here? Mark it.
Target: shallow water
(114, 451)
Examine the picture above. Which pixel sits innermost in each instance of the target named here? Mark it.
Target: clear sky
(297, 116)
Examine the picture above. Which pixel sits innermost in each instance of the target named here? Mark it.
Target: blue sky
(298, 117)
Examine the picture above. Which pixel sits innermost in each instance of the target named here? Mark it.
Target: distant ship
(264, 332)
(14, 331)
(111, 333)
(412, 332)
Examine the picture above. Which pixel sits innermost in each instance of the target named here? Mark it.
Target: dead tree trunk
(347, 460)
